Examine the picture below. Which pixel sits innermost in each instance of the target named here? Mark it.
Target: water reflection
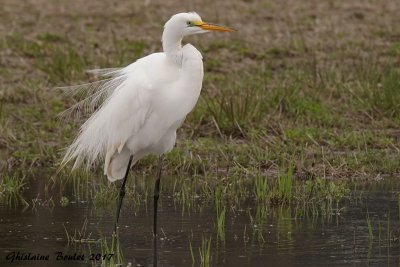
(155, 253)
(253, 235)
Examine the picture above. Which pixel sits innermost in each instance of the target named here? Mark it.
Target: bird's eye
(189, 23)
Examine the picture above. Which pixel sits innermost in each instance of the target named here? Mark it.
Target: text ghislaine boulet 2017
(58, 256)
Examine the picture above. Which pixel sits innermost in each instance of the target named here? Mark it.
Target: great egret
(141, 106)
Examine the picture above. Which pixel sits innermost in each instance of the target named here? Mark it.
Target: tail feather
(121, 105)
(93, 94)
(104, 72)
(88, 147)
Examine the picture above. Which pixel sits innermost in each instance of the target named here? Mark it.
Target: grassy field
(308, 86)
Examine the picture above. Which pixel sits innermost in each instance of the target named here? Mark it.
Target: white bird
(137, 109)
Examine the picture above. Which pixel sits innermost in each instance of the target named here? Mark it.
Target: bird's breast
(184, 95)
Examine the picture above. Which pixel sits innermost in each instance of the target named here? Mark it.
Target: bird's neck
(172, 44)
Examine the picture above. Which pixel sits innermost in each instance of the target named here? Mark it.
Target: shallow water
(279, 239)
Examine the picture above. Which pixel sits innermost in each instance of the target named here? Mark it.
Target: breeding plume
(135, 111)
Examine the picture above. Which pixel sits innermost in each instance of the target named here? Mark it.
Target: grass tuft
(11, 188)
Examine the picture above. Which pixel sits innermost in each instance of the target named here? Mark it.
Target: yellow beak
(214, 27)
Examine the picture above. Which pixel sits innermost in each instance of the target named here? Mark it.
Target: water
(279, 238)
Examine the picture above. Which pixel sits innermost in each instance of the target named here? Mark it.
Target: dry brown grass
(320, 79)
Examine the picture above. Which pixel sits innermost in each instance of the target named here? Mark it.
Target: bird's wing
(123, 112)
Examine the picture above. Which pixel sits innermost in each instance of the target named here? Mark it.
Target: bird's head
(185, 24)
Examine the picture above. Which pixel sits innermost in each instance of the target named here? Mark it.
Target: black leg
(157, 193)
(122, 193)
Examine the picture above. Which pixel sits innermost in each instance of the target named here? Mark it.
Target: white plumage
(142, 105)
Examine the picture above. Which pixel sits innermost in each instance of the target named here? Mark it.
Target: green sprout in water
(64, 201)
(369, 223)
(10, 191)
(191, 252)
(80, 235)
(261, 188)
(205, 252)
(114, 249)
(221, 224)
